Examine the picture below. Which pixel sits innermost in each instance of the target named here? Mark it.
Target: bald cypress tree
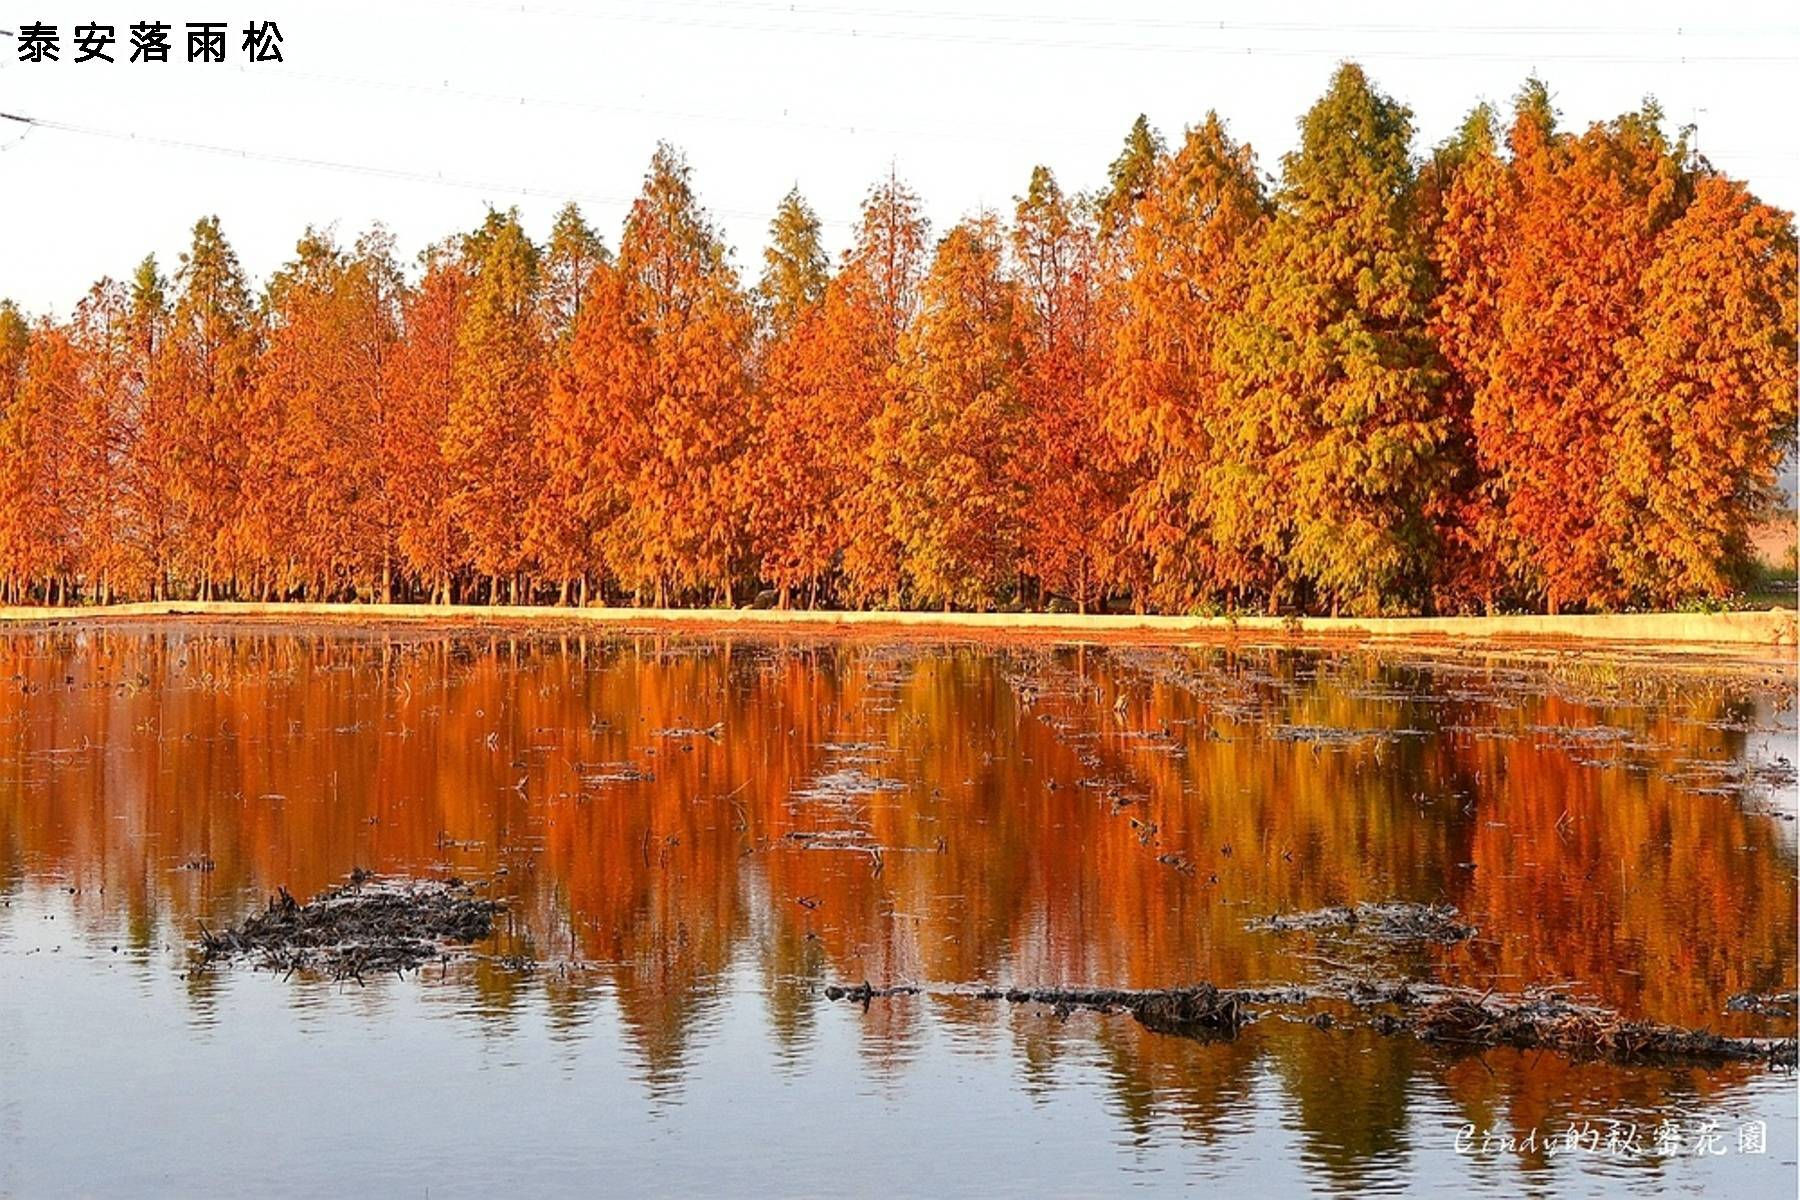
(945, 450)
(210, 360)
(419, 383)
(795, 268)
(574, 253)
(1331, 368)
(789, 471)
(36, 540)
(685, 528)
(1185, 266)
(1130, 176)
(1472, 218)
(1710, 397)
(499, 387)
(872, 306)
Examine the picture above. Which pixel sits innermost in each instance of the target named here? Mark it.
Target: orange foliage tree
(419, 381)
(1184, 274)
(1709, 403)
(792, 473)
(1471, 209)
(489, 433)
(320, 504)
(561, 520)
(43, 380)
(1590, 210)
(105, 421)
(871, 307)
(207, 370)
(1331, 375)
(945, 447)
(1066, 463)
(683, 527)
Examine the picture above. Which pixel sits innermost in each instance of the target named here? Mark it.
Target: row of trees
(1533, 368)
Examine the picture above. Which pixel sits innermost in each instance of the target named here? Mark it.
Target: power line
(1204, 25)
(1011, 136)
(367, 169)
(850, 128)
(1533, 55)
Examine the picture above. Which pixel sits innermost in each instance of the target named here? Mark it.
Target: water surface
(695, 834)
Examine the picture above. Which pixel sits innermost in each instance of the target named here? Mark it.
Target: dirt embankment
(1773, 628)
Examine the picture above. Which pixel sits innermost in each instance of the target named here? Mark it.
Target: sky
(419, 114)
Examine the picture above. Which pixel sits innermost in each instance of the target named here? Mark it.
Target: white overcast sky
(476, 101)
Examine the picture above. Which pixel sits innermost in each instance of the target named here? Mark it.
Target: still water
(694, 835)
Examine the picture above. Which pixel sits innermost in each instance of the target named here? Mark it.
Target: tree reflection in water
(662, 811)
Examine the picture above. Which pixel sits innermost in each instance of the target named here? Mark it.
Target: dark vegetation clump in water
(1578, 1031)
(1199, 1009)
(366, 925)
(1389, 921)
(1446, 1016)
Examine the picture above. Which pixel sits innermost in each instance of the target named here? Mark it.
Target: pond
(693, 836)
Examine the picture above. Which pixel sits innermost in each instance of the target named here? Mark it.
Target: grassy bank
(1771, 629)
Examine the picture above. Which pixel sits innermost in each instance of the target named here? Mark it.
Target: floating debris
(1389, 921)
(713, 732)
(620, 772)
(366, 925)
(846, 783)
(1773, 1004)
(1334, 735)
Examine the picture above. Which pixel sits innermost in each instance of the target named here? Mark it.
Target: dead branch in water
(1429, 1012)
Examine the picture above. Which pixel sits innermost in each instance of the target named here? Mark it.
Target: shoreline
(1771, 629)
